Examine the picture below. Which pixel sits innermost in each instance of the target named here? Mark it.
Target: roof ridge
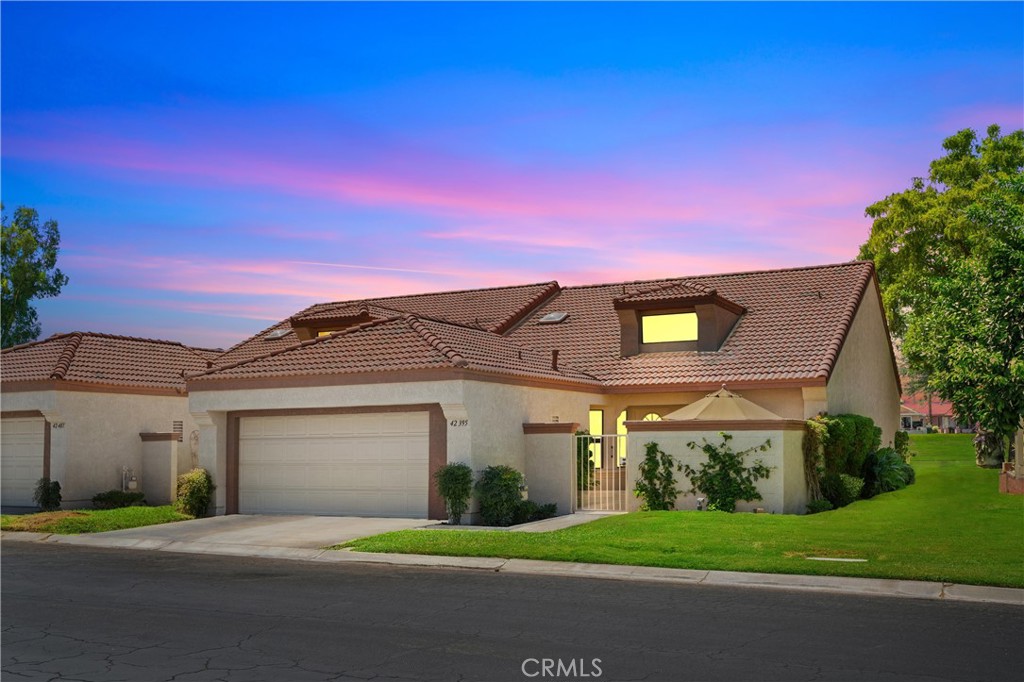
(67, 355)
(296, 346)
(520, 313)
(435, 341)
(668, 286)
(845, 322)
(506, 340)
(689, 278)
(37, 342)
(372, 301)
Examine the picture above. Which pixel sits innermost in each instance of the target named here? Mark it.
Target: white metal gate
(600, 473)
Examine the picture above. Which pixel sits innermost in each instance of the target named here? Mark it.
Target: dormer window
(676, 317)
(668, 327)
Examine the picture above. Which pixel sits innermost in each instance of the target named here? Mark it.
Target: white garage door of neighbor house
(21, 460)
(337, 465)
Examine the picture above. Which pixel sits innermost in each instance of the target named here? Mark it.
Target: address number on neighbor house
(459, 422)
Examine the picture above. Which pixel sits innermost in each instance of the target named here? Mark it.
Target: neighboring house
(349, 408)
(919, 410)
(92, 411)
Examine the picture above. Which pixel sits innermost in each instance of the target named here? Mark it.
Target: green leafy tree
(29, 272)
(922, 232)
(970, 337)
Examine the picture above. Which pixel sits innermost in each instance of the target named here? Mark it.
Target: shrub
(933, 429)
(116, 499)
(585, 468)
(455, 485)
(195, 491)
(818, 506)
(529, 510)
(500, 490)
(841, 489)
(849, 440)
(886, 471)
(723, 478)
(901, 444)
(815, 433)
(47, 494)
(656, 484)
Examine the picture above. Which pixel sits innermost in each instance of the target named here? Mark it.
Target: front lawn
(952, 526)
(77, 521)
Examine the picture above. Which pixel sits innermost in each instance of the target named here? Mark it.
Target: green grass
(77, 521)
(952, 525)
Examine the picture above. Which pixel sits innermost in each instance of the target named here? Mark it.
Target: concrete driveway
(302, 532)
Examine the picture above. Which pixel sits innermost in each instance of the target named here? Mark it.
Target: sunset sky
(217, 167)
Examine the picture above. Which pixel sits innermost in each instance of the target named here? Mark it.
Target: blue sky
(215, 167)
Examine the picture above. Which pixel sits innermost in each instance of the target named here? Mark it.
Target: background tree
(29, 272)
(970, 338)
(920, 233)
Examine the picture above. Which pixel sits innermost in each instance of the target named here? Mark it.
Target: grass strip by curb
(73, 522)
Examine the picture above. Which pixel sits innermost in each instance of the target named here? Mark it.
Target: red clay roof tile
(90, 358)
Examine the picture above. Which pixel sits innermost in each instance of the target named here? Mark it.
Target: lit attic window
(669, 327)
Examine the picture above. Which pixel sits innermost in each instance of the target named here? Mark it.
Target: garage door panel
(357, 464)
(21, 459)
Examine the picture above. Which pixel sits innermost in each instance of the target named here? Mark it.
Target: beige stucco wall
(782, 491)
(549, 469)
(160, 470)
(94, 435)
(863, 381)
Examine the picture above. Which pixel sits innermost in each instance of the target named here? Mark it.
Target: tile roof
(91, 358)
(406, 342)
(493, 309)
(793, 325)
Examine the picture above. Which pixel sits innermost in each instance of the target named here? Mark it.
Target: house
(96, 412)
(918, 410)
(348, 408)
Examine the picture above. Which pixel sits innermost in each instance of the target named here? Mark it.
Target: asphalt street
(75, 613)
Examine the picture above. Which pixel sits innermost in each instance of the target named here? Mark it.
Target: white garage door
(338, 465)
(21, 460)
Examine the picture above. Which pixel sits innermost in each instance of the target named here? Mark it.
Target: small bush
(901, 444)
(529, 510)
(500, 491)
(117, 499)
(841, 489)
(455, 485)
(933, 429)
(885, 471)
(724, 478)
(818, 506)
(195, 491)
(656, 484)
(850, 438)
(47, 494)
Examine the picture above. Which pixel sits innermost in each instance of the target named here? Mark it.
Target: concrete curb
(844, 585)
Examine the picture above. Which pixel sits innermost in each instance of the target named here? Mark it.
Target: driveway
(300, 532)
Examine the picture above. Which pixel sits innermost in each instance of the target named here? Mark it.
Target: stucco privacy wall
(783, 492)
(549, 465)
(94, 435)
(484, 419)
(863, 381)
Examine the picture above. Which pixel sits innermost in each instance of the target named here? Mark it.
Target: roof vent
(553, 318)
(277, 334)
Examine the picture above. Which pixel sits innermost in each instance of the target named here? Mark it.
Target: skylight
(553, 318)
(277, 334)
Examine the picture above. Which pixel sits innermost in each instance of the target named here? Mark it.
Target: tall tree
(919, 233)
(29, 272)
(969, 338)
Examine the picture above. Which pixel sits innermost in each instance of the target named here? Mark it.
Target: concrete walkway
(302, 539)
